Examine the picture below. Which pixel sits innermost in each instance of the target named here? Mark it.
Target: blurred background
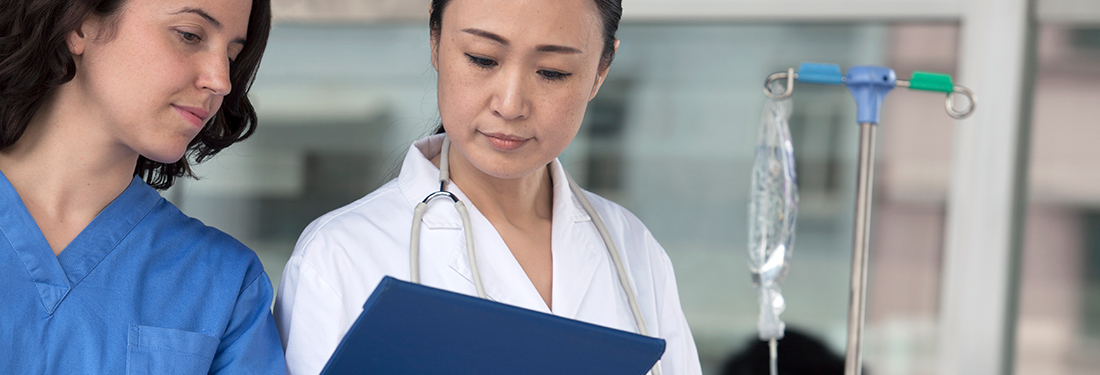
(347, 85)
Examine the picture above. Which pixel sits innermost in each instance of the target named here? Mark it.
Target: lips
(505, 142)
(195, 115)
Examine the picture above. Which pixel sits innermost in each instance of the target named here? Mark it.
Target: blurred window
(670, 136)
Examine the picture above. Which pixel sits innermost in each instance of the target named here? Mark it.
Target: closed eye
(551, 75)
(189, 37)
(481, 62)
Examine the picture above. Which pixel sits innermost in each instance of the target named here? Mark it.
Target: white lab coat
(342, 256)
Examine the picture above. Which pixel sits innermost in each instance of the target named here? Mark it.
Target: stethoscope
(444, 176)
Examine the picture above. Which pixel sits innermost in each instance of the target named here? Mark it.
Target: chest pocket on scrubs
(166, 351)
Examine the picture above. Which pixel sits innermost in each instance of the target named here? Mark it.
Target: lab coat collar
(575, 243)
(419, 178)
(576, 247)
(53, 275)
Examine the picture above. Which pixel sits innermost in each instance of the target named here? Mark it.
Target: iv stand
(869, 85)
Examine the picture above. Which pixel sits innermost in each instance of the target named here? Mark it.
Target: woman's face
(156, 77)
(515, 77)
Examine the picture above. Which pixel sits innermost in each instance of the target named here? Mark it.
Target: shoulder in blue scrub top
(143, 289)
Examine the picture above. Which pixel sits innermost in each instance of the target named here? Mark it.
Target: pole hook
(971, 102)
(789, 75)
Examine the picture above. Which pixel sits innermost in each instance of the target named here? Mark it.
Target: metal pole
(853, 361)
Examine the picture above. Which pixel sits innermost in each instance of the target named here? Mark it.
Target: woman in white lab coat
(515, 77)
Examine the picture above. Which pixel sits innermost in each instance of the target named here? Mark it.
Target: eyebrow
(539, 48)
(213, 21)
(202, 13)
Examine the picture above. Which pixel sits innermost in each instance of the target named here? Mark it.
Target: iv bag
(773, 206)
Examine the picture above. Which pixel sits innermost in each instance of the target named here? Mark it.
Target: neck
(517, 200)
(64, 165)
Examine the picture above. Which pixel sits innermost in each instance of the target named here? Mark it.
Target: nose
(510, 101)
(214, 75)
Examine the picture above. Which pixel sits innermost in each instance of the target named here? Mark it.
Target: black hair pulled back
(611, 11)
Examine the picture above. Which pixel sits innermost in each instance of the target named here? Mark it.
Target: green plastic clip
(931, 82)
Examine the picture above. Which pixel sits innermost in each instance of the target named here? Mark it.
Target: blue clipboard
(407, 328)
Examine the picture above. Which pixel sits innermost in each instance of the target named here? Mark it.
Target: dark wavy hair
(611, 11)
(35, 60)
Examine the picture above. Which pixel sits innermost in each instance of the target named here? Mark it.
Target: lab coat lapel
(576, 247)
(441, 234)
(501, 275)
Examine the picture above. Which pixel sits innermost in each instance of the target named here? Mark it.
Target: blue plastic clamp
(869, 85)
(825, 74)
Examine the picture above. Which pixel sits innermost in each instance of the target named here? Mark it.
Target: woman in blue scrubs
(102, 102)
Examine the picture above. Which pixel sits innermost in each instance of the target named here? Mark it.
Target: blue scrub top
(143, 289)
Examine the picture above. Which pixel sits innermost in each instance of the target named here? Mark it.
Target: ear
(78, 40)
(602, 75)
